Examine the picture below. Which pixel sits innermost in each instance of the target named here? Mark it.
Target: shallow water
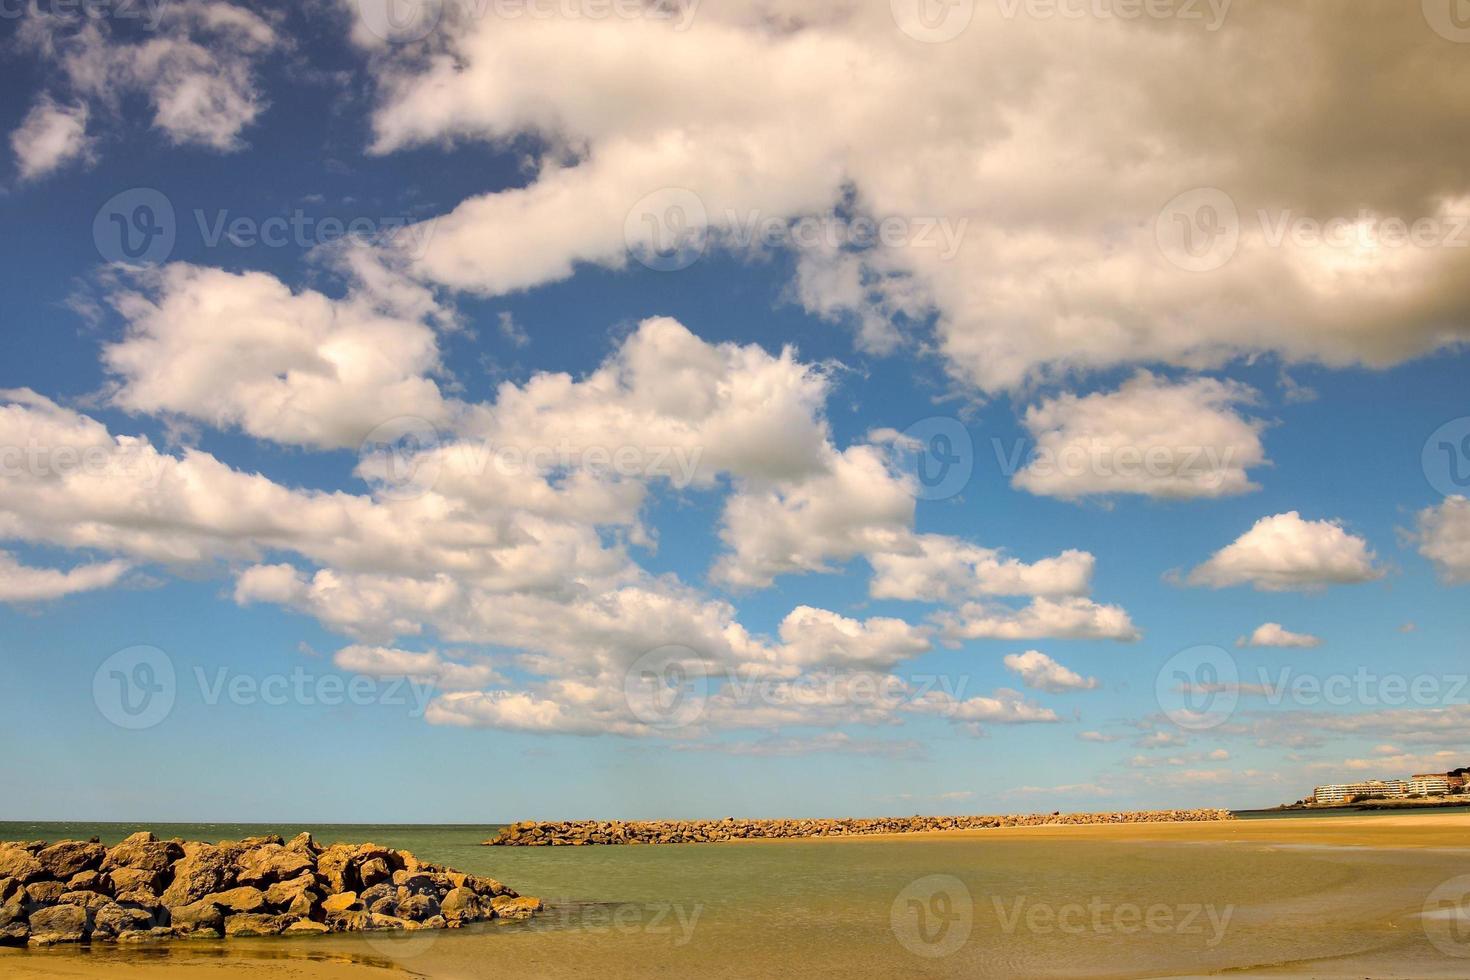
(859, 907)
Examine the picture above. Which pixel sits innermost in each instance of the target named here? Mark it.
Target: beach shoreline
(1351, 846)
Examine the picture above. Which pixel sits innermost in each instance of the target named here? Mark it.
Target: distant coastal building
(1430, 784)
(1373, 789)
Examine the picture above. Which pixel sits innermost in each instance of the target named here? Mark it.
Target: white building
(1430, 784)
(1374, 789)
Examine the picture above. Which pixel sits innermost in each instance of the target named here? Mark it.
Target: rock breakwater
(148, 889)
(580, 833)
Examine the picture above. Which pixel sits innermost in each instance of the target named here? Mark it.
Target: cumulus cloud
(1285, 552)
(427, 668)
(196, 66)
(50, 136)
(1074, 618)
(24, 583)
(945, 569)
(1444, 538)
(817, 637)
(1150, 437)
(242, 350)
(1275, 635)
(1042, 673)
(1054, 268)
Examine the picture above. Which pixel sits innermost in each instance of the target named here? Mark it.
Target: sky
(503, 409)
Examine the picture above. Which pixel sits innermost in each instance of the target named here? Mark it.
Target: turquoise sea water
(931, 907)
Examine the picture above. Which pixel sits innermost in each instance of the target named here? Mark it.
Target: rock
(87, 900)
(14, 934)
(306, 905)
(418, 907)
(270, 863)
(90, 881)
(515, 908)
(20, 864)
(142, 851)
(13, 909)
(8, 887)
(341, 902)
(203, 914)
(255, 924)
(203, 871)
(44, 892)
(136, 879)
(69, 857)
(304, 927)
(114, 920)
(373, 870)
(59, 924)
(462, 904)
(242, 899)
(288, 895)
(303, 842)
(334, 865)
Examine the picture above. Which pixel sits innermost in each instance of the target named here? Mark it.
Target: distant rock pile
(145, 889)
(580, 833)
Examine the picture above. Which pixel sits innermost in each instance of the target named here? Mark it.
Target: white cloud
(1275, 635)
(1149, 437)
(50, 136)
(299, 368)
(1059, 267)
(1070, 618)
(1005, 707)
(819, 638)
(1285, 552)
(1042, 673)
(427, 668)
(24, 583)
(1444, 538)
(858, 506)
(946, 569)
(196, 65)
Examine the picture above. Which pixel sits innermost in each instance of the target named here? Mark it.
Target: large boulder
(305, 843)
(69, 857)
(45, 892)
(341, 902)
(88, 900)
(59, 924)
(463, 905)
(142, 851)
(20, 864)
(506, 907)
(203, 870)
(257, 924)
(242, 899)
(270, 863)
(202, 914)
(418, 907)
(113, 920)
(13, 909)
(90, 881)
(136, 879)
(374, 870)
(335, 866)
(304, 927)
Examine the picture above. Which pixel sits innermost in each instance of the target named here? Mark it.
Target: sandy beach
(1325, 897)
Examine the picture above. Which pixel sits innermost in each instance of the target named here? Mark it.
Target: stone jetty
(149, 889)
(580, 833)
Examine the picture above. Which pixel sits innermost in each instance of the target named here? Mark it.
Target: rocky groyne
(148, 889)
(561, 833)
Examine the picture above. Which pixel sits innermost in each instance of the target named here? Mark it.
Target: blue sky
(233, 522)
